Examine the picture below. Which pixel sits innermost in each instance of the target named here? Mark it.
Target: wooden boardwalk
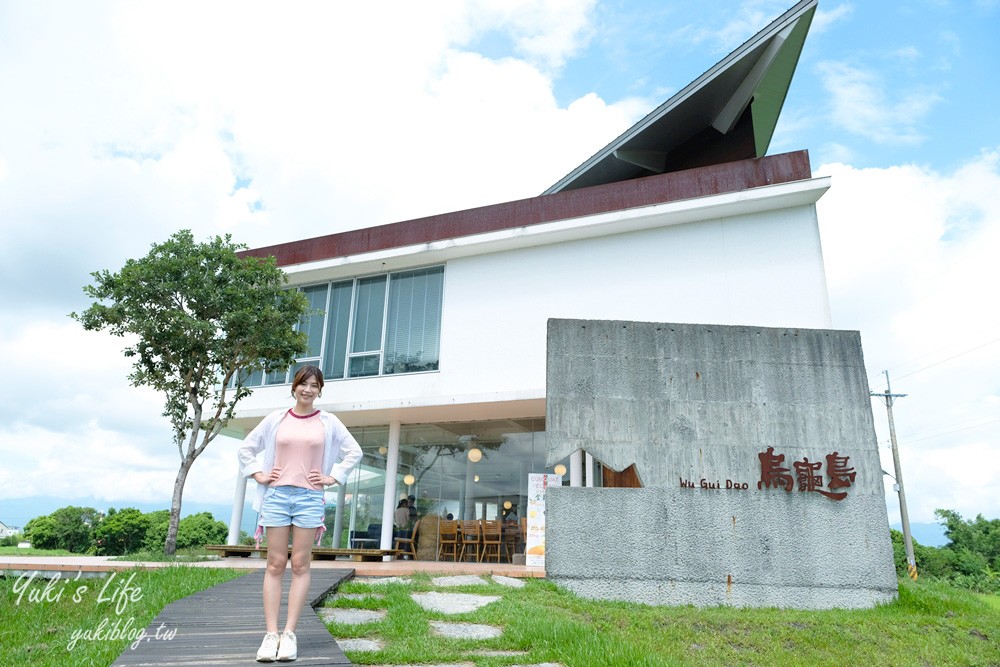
(224, 625)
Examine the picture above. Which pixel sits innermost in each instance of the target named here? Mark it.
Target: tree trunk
(170, 546)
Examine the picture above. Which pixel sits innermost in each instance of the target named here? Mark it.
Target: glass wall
(468, 470)
(365, 489)
(375, 325)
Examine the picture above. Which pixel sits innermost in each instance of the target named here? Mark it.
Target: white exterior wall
(750, 257)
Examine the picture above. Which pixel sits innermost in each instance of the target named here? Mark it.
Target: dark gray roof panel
(679, 134)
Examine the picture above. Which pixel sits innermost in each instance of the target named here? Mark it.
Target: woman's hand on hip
(316, 478)
(267, 478)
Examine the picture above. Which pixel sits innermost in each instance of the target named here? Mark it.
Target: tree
(70, 528)
(42, 532)
(978, 540)
(202, 318)
(121, 532)
(193, 531)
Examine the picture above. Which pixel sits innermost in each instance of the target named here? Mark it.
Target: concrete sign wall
(757, 454)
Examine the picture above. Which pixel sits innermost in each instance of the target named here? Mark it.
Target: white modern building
(432, 332)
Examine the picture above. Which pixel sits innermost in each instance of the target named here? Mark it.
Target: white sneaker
(288, 649)
(268, 650)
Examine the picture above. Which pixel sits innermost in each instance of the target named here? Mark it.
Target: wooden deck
(224, 625)
(318, 553)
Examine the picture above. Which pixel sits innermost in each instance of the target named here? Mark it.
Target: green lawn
(15, 551)
(45, 623)
(930, 624)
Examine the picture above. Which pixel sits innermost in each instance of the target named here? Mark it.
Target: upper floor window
(376, 325)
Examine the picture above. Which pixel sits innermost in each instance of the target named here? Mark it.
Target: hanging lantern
(559, 469)
(409, 480)
(475, 454)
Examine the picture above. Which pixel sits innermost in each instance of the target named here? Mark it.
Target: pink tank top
(299, 449)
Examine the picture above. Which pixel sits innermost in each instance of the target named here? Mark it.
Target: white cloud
(834, 152)
(122, 123)
(906, 53)
(823, 18)
(861, 104)
(747, 19)
(910, 263)
(546, 33)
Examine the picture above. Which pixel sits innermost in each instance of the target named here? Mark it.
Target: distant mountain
(927, 534)
(18, 511)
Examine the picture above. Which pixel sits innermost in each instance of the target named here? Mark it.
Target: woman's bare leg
(277, 559)
(302, 539)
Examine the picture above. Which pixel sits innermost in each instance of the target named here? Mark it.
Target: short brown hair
(304, 374)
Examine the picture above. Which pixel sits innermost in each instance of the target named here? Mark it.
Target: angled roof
(727, 114)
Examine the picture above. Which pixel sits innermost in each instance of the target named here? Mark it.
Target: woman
(302, 446)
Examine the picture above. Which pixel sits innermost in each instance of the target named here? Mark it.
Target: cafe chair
(493, 542)
(407, 546)
(448, 541)
(511, 537)
(471, 539)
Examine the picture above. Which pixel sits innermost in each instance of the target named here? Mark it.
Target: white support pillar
(389, 497)
(469, 507)
(589, 465)
(239, 499)
(576, 468)
(338, 518)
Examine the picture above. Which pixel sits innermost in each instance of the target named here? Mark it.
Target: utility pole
(904, 516)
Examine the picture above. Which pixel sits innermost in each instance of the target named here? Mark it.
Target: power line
(936, 363)
(957, 430)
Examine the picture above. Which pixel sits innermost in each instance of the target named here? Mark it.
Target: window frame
(325, 345)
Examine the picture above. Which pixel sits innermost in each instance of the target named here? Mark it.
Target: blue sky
(879, 83)
(122, 122)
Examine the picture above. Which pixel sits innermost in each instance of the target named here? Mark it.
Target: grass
(44, 622)
(930, 624)
(190, 555)
(16, 551)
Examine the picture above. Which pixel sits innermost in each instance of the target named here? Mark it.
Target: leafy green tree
(193, 531)
(121, 532)
(202, 318)
(156, 534)
(976, 540)
(200, 529)
(70, 528)
(42, 532)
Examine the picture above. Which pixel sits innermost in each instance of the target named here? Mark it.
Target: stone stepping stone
(452, 603)
(508, 581)
(383, 580)
(360, 645)
(351, 616)
(460, 580)
(465, 630)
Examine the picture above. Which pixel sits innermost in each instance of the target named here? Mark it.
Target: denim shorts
(292, 505)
